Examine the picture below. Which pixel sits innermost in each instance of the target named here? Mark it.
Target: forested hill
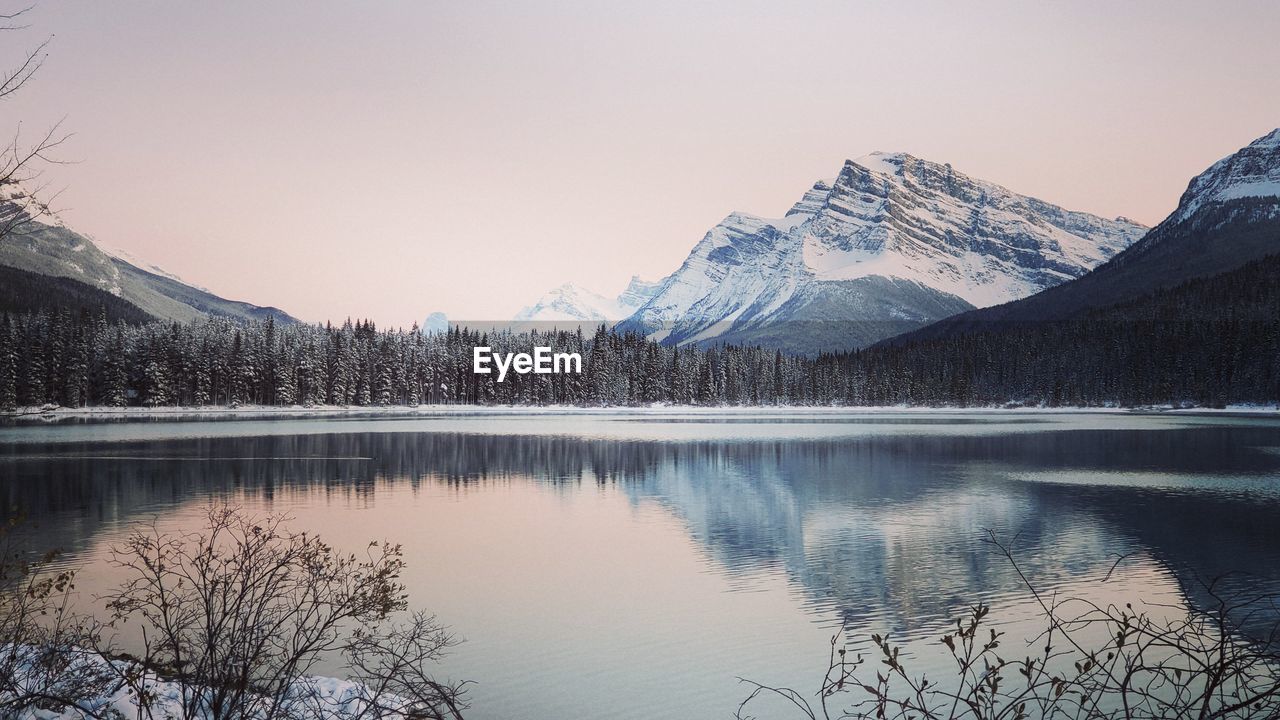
(27, 292)
(1209, 341)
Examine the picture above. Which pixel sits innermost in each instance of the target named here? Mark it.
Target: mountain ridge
(942, 241)
(1228, 216)
(46, 246)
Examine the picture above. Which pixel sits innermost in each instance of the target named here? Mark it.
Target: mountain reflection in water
(876, 530)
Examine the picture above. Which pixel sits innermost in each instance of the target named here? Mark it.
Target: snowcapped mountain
(1228, 216)
(570, 302)
(1251, 172)
(894, 242)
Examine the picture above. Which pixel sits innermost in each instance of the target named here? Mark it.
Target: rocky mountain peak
(638, 292)
(892, 241)
(1251, 172)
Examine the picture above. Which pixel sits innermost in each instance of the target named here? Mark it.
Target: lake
(635, 565)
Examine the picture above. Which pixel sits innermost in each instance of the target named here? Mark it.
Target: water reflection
(886, 527)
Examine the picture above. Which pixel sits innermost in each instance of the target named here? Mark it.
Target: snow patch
(319, 698)
(882, 162)
(121, 254)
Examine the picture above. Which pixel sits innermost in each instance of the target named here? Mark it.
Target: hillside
(56, 251)
(23, 292)
(1208, 341)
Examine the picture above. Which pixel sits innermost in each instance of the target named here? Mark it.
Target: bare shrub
(235, 620)
(240, 613)
(1100, 662)
(43, 663)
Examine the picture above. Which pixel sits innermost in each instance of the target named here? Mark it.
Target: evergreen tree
(156, 390)
(114, 378)
(8, 365)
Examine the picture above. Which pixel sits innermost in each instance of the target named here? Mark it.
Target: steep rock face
(19, 207)
(637, 293)
(894, 242)
(1228, 216)
(1232, 200)
(570, 303)
(56, 251)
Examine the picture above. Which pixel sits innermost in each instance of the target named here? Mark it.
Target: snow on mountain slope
(637, 293)
(130, 258)
(572, 303)
(19, 206)
(1228, 216)
(945, 243)
(1251, 172)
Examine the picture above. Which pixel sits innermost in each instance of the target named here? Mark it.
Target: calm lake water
(624, 566)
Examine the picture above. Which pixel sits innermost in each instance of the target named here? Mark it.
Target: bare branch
(13, 80)
(1114, 663)
(23, 197)
(7, 20)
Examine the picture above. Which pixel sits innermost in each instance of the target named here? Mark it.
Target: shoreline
(297, 412)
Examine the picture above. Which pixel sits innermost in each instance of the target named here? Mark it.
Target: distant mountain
(51, 249)
(436, 323)
(1228, 216)
(570, 302)
(893, 243)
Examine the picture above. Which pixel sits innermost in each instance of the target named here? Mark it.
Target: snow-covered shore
(321, 698)
(267, 412)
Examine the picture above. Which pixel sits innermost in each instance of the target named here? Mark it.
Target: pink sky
(391, 159)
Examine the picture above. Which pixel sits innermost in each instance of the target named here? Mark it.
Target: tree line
(78, 358)
(1207, 342)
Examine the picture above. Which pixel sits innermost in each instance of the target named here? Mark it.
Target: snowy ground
(265, 412)
(318, 698)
